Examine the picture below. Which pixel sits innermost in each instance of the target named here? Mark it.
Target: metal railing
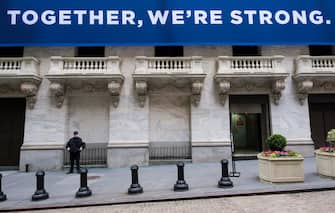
(95, 154)
(169, 150)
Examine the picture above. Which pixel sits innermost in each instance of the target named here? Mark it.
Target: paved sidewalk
(110, 186)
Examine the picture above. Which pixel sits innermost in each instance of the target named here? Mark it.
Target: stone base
(281, 169)
(325, 163)
(210, 152)
(41, 157)
(304, 147)
(127, 155)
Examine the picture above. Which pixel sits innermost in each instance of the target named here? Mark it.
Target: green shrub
(276, 142)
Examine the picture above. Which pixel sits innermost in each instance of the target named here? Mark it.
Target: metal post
(40, 193)
(234, 173)
(135, 187)
(3, 197)
(225, 181)
(181, 184)
(83, 191)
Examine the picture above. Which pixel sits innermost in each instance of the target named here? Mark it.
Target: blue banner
(166, 22)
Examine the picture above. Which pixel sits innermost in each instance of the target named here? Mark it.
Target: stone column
(129, 123)
(44, 135)
(289, 117)
(210, 128)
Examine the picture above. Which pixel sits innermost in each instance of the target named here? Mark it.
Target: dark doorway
(322, 117)
(249, 124)
(12, 113)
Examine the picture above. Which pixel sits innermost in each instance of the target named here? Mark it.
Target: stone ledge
(210, 143)
(127, 145)
(42, 147)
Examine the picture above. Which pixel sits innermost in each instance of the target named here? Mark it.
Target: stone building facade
(142, 108)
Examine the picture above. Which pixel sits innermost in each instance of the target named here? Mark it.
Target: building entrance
(249, 125)
(12, 114)
(322, 117)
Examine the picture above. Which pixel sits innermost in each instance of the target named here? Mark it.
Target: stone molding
(250, 73)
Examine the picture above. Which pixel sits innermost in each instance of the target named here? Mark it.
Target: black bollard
(135, 187)
(83, 191)
(40, 193)
(3, 197)
(181, 184)
(225, 181)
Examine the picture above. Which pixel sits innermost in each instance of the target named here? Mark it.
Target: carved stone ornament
(58, 91)
(277, 87)
(196, 92)
(224, 87)
(29, 90)
(304, 87)
(141, 90)
(114, 88)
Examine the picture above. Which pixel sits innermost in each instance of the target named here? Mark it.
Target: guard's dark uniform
(75, 143)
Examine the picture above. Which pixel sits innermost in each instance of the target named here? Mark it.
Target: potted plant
(279, 165)
(325, 156)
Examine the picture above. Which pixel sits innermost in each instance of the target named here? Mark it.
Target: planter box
(281, 169)
(325, 163)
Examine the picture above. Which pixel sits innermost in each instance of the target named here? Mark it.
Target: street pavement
(308, 202)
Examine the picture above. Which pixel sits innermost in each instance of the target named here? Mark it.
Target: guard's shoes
(70, 172)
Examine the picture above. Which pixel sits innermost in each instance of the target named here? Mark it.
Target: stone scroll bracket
(141, 87)
(303, 88)
(223, 90)
(58, 92)
(197, 86)
(29, 89)
(277, 87)
(114, 88)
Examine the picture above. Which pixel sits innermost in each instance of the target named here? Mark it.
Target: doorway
(12, 113)
(249, 124)
(322, 117)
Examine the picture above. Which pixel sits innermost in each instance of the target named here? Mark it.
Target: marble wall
(88, 113)
(129, 128)
(169, 115)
